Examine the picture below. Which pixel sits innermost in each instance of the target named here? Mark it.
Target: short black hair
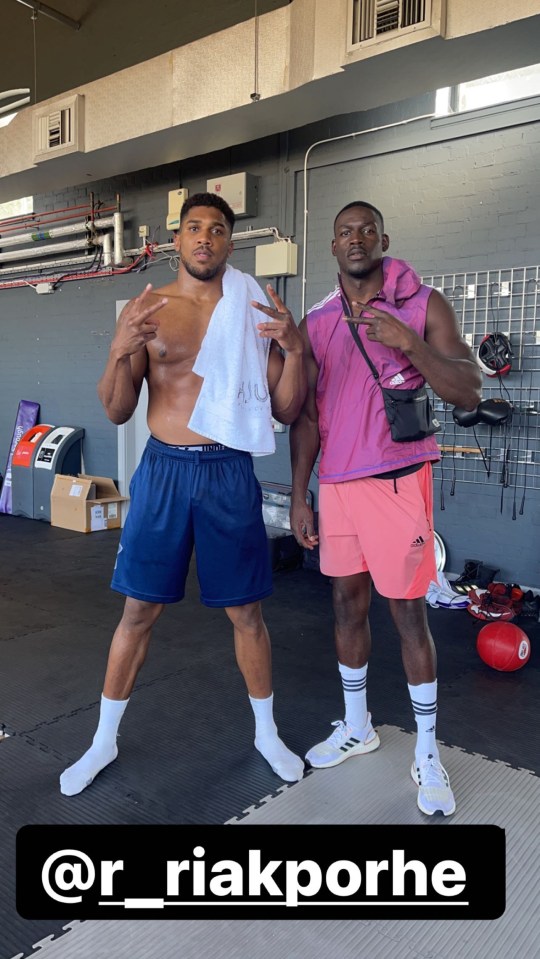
(208, 199)
(361, 203)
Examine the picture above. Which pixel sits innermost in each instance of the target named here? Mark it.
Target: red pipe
(25, 216)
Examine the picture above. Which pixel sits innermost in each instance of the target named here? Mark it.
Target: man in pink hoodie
(376, 494)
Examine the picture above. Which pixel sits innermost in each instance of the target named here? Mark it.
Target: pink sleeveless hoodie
(354, 431)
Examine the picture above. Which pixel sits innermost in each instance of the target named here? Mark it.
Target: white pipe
(106, 242)
(119, 252)
(36, 235)
(344, 136)
(14, 93)
(32, 267)
(44, 251)
(245, 235)
(263, 231)
(12, 107)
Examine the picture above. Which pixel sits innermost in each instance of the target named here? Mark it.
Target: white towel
(233, 406)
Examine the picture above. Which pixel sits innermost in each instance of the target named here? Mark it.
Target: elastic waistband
(195, 453)
(402, 471)
(207, 448)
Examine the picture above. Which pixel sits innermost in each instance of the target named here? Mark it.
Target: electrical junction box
(276, 259)
(240, 191)
(176, 201)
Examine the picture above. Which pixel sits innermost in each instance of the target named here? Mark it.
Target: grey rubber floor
(186, 745)
(375, 789)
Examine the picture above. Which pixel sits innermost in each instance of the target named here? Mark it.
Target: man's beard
(360, 270)
(201, 272)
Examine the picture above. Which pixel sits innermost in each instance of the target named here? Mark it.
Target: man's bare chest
(179, 338)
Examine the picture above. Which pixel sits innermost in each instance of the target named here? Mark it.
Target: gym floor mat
(186, 741)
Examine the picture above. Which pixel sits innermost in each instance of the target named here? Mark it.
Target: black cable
(505, 472)
(487, 466)
(526, 453)
(503, 387)
(489, 460)
(94, 266)
(453, 486)
(495, 316)
(442, 506)
(518, 442)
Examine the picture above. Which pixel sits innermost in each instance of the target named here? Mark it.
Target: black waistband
(195, 448)
(401, 471)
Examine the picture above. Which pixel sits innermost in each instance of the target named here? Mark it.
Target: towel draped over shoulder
(233, 406)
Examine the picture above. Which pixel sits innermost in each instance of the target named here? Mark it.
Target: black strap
(356, 336)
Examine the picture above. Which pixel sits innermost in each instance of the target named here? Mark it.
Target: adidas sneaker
(344, 742)
(434, 793)
(441, 594)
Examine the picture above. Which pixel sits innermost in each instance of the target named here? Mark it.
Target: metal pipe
(36, 235)
(13, 104)
(48, 265)
(106, 242)
(119, 252)
(245, 235)
(264, 231)
(14, 93)
(39, 220)
(41, 251)
(38, 7)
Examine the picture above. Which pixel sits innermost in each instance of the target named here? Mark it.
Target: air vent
(376, 20)
(59, 129)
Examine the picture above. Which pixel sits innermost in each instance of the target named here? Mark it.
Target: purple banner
(27, 416)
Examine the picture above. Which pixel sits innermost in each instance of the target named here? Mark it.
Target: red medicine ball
(503, 646)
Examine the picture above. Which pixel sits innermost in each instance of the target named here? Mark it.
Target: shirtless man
(187, 490)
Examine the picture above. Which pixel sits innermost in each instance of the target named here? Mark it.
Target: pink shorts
(366, 526)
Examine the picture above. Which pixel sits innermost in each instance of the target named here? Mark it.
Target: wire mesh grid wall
(503, 301)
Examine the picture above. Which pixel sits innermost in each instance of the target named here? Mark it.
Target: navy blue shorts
(181, 501)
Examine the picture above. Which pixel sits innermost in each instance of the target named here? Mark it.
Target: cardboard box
(85, 503)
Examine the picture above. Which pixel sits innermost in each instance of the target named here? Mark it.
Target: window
(499, 88)
(17, 207)
(6, 120)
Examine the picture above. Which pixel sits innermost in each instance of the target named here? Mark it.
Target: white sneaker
(441, 594)
(434, 793)
(345, 741)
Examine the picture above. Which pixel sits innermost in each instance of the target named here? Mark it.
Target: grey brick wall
(454, 197)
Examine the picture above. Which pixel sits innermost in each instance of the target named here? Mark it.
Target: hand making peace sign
(382, 327)
(281, 326)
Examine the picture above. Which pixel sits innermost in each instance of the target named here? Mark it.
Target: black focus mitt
(465, 417)
(495, 411)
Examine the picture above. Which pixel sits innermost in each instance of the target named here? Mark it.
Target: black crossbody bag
(409, 412)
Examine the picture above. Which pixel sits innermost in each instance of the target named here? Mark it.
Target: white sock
(284, 763)
(424, 703)
(354, 692)
(102, 751)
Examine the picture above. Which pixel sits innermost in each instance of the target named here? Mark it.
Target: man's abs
(170, 405)
(172, 386)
